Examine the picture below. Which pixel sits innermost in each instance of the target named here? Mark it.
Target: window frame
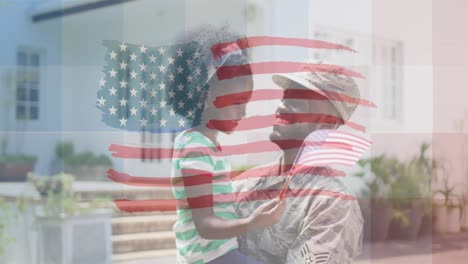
(28, 73)
(392, 80)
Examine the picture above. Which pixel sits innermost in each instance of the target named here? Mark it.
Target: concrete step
(89, 189)
(142, 224)
(138, 242)
(149, 255)
(118, 213)
(132, 194)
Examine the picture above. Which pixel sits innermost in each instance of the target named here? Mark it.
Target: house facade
(53, 56)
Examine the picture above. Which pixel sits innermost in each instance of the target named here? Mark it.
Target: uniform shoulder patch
(313, 257)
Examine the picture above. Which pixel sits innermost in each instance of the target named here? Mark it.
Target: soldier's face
(292, 127)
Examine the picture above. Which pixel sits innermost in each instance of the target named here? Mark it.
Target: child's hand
(268, 213)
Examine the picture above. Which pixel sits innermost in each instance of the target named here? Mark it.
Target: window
(321, 54)
(349, 43)
(28, 85)
(152, 146)
(337, 56)
(391, 80)
(154, 143)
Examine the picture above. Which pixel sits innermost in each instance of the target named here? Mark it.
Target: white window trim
(398, 118)
(27, 123)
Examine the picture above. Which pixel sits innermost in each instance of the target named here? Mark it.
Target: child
(206, 229)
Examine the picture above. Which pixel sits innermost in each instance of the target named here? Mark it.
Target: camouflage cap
(333, 85)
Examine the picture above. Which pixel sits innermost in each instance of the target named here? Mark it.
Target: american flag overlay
(323, 148)
(144, 88)
(141, 81)
(333, 148)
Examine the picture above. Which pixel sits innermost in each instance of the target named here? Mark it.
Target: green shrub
(18, 159)
(104, 160)
(413, 183)
(7, 217)
(383, 170)
(66, 152)
(60, 199)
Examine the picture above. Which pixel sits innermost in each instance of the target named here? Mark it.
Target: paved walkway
(161, 260)
(14, 189)
(452, 248)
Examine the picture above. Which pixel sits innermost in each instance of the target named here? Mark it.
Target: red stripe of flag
(277, 94)
(274, 67)
(130, 152)
(267, 171)
(133, 206)
(195, 177)
(351, 137)
(221, 49)
(257, 122)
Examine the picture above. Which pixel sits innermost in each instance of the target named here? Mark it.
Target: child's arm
(197, 176)
(210, 226)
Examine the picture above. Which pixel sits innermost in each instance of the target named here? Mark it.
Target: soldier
(318, 228)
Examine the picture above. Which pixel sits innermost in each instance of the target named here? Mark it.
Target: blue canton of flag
(153, 89)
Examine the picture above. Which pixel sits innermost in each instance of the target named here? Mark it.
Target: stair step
(142, 224)
(143, 241)
(149, 254)
(118, 213)
(132, 194)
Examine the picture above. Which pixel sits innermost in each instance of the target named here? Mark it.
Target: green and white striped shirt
(191, 247)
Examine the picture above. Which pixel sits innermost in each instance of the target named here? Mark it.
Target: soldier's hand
(268, 213)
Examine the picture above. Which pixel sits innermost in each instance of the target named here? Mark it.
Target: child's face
(236, 93)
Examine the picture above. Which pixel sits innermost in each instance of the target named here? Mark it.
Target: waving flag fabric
(140, 85)
(335, 148)
(327, 148)
(139, 82)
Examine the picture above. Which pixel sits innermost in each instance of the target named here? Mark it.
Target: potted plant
(443, 206)
(7, 216)
(408, 207)
(70, 222)
(15, 167)
(464, 207)
(454, 209)
(410, 192)
(459, 126)
(85, 165)
(426, 223)
(375, 205)
(428, 168)
(59, 198)
(44, 185)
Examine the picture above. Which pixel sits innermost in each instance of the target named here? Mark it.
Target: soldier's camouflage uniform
(314, 229)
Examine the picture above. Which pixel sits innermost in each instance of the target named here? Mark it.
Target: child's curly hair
(202, 39)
